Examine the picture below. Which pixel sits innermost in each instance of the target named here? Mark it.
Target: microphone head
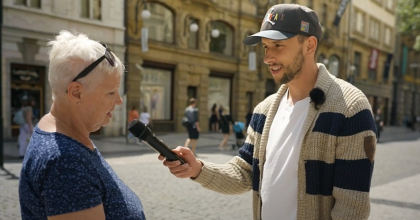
(136, 128)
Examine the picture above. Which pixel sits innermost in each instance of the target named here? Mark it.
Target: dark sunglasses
(108, 56)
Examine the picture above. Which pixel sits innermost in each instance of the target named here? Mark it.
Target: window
(324, 15)
(372, 74)
(224, 42)
(357, 62)
(387, 36)
(91, 9)
(374, 29)
(360, 22)
(193, 36)
(161, 23)
(155, 90)
(29, 3)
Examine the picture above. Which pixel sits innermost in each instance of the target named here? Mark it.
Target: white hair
(71, 53)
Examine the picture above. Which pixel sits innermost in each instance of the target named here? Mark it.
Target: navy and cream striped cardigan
(336, 158)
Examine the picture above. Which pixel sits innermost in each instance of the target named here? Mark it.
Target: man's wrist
(199, 168)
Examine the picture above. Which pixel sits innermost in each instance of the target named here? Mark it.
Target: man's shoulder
(343, 95)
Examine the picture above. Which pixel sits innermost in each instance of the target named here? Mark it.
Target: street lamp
(193, 27)
(215, 33)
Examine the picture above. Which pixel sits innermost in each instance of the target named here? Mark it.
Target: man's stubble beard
(291, 71)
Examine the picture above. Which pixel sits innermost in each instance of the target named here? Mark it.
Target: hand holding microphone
(184, 167)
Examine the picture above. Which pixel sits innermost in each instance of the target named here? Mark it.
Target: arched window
(223, 42)
(334, 65)
(160, 23)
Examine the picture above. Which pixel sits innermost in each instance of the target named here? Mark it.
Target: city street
(395, 190)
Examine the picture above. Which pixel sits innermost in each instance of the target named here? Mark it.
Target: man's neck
(301, 86)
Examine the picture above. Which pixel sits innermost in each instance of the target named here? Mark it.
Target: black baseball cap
(284, 21)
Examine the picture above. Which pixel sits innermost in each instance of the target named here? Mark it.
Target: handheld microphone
(144, 134)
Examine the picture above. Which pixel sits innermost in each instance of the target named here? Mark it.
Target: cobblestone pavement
(395, 193)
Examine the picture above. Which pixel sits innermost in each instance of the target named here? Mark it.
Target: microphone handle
(161, 148)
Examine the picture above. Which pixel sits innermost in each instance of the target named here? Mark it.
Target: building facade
(194, 49)
(371, 47)
(207, 62)
(28, 25)
(406, 104)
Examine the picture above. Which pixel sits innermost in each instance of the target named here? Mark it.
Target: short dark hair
(192, 101)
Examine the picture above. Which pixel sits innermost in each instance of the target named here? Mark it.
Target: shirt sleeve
(70, 186)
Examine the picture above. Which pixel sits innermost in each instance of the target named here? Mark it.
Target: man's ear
(311, 45)
(74, 92)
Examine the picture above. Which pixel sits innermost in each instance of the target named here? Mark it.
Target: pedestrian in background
(26, 125)
(379, 123)
(191, 112)
(145, 117)
(133, 114)
(226, 126)
(64, 176)
(310, 148)
(214, 118)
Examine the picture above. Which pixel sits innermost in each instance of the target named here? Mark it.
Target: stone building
(406, 102)
(371, 47)
(27, 27)
(194, 49)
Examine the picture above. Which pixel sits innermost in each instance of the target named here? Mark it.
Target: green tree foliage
(409, 22)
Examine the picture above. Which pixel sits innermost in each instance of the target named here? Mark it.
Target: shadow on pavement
(8, 174)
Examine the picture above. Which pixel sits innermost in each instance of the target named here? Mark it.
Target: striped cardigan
(335, 162)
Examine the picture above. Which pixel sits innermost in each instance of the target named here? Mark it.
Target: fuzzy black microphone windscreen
(317, 97)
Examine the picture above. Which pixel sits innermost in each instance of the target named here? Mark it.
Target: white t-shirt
(280, 178)
(144, 117)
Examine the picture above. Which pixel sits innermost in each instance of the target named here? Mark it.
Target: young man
(310, 147)
(191, 112)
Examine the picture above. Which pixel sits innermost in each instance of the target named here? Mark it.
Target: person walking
(191, 112)
(310, 148)
(145, 117)
(226, 126)
(26, 125)
(63, 175)
(379, 123)
(214, 119)
(133, 114)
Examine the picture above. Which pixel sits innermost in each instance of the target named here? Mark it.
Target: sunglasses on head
(108, 56)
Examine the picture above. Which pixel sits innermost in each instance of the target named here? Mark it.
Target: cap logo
(268, 16)
(304, 26)
(282, 17)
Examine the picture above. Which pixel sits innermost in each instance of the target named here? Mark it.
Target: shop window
(219, 92)
(91, 9)
(156, 89)
(223, 43)
(160, 23)
(26, 81)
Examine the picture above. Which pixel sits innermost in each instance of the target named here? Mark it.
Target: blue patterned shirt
(60, 175)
